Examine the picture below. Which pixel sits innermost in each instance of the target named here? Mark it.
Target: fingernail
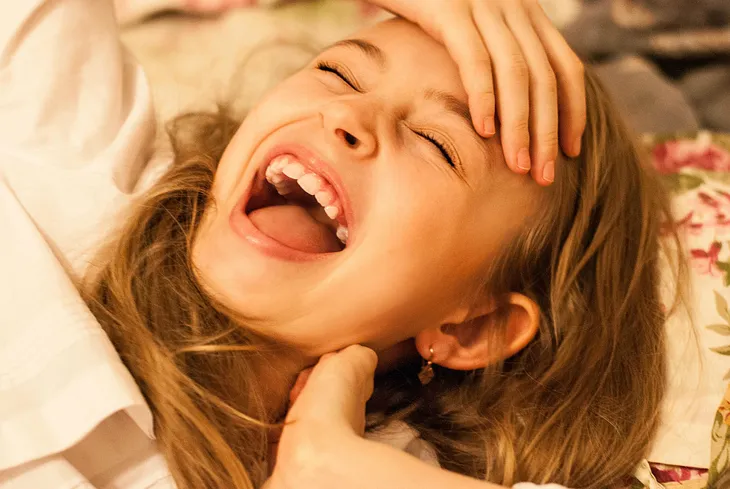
(548, 172)
(523, 159)
(576, 147)
(489, 128)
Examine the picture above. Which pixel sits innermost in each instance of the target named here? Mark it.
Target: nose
(351, 126)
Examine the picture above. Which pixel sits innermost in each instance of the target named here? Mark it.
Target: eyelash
(431, 138)
(335, 70)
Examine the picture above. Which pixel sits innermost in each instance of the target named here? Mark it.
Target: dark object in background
(686, 48)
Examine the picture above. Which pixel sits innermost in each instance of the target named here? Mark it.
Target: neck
(276, 372)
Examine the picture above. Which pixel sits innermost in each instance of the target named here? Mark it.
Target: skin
(509, 63)
(519, 73)
(322, 446)
(517, 69)
(424, 231)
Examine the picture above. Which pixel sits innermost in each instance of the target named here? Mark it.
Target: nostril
(351, 140)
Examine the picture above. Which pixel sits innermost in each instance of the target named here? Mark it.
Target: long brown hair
(578, 406)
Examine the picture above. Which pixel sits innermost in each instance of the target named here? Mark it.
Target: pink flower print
(724, 194)
(707, 200)
(672, 156)
(688, 223)
(705, 261)
(714, 210)
(672, 473)
(722, 221)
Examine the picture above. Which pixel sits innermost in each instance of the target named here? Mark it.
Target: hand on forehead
(516, 67)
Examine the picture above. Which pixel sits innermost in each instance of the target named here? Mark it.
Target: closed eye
(328, 67)
(442, 147)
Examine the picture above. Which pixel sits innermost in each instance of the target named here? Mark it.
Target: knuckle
(521, 126)
(547, 81)
(487, 94)
(482, 59)
(484, 89)
(549, 135)
(549, 143)
(518, 66)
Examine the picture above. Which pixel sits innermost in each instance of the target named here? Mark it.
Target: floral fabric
(696, 169)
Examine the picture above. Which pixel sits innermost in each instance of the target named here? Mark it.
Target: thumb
(337, 388)
(348, 372)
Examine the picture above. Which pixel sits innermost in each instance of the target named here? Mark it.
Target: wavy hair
(578, 406)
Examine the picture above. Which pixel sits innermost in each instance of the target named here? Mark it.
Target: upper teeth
(285, 166)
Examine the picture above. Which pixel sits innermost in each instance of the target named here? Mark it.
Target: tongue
(294, 227)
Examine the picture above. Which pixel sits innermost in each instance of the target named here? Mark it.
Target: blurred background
(666, 62)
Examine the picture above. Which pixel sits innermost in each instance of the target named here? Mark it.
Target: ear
(469, 343)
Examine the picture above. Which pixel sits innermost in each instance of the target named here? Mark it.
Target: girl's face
(381, 123)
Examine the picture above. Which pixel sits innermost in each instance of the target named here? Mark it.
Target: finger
(362, 361)
(465, 45)
(511, 78)
(299, 385)
(543, 98)
(337, 376)
(569, 72)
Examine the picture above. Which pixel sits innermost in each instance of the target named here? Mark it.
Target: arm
(367, 464)
(321, 446)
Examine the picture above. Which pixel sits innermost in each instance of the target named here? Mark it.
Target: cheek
(299, 96)
(421, 215)
(295, 99)
(415, 257)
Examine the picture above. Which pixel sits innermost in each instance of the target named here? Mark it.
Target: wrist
(344, 465)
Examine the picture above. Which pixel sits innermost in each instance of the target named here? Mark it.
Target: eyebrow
(451, 103)
(372, 51)
(369, 49)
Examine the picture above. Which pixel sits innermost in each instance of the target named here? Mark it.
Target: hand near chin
(515, 64)
(327, 414)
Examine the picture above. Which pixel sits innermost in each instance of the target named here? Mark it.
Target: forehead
(415, 56)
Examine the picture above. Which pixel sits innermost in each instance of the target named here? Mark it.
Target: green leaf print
(725, 267)
(721, 306)
(718, 473)
(722, 350)
(722, 329)
(715, 176)
(680, 183)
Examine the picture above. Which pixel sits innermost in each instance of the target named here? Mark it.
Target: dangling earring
(426, 374)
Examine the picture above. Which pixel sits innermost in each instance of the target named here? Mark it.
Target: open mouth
(298, 207)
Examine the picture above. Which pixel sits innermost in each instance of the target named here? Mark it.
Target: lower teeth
(342, 234)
